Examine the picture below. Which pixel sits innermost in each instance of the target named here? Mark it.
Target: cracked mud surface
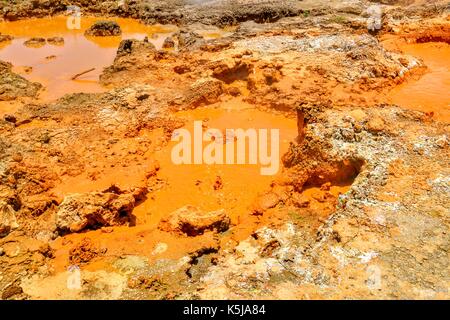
(358, 210)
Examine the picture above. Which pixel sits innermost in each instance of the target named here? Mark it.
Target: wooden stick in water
(82, 73)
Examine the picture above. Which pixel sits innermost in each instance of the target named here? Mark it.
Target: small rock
(35, 42)
(442, 142)
(2, 252)
(46, 235)
(27, 69)
(13, 85)
(142, 96)
(107, 230)
(128, 46)
(326, 186)
(10, 118)
(8, 219)
(300, 201)
(11, 290)
(234, 91)
(403, 61)
(94, 210)
(218, 184)
(161, 247)
(169, 43)
(5, 38)
(104, 29)
(269, 248)
(14, 249)
(358, 114)
(271, 75)
(45, 138)
(83, 252)
(37, 205)
(125, 47)
(265, 202)
(319, 196)
(188, 38)
(181, 69)
(193, 222)
(204, 91)
(375, 125)
(56, 41)
(17, 157)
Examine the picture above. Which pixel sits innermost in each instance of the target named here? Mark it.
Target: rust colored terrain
(359, 208)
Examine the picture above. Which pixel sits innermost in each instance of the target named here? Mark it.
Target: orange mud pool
(54, 66)
(428, 92)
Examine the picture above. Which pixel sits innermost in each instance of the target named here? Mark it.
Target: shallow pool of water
(54, 66)
(430, 92)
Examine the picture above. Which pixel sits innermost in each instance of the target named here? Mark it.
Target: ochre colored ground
(234, 188)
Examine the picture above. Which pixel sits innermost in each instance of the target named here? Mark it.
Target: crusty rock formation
(7, 219)
(94, 210)
(104, 29)
(13, 86)
(192, 222)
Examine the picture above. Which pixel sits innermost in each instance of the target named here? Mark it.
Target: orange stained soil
(145, 239)
(430, 92)
(9, 107)
(78, 54)
(141, 240)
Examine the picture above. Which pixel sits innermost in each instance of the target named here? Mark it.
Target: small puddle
(54, 66)
(429, 93)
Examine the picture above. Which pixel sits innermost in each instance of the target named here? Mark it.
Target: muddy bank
(13, 86)
(166, 12)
